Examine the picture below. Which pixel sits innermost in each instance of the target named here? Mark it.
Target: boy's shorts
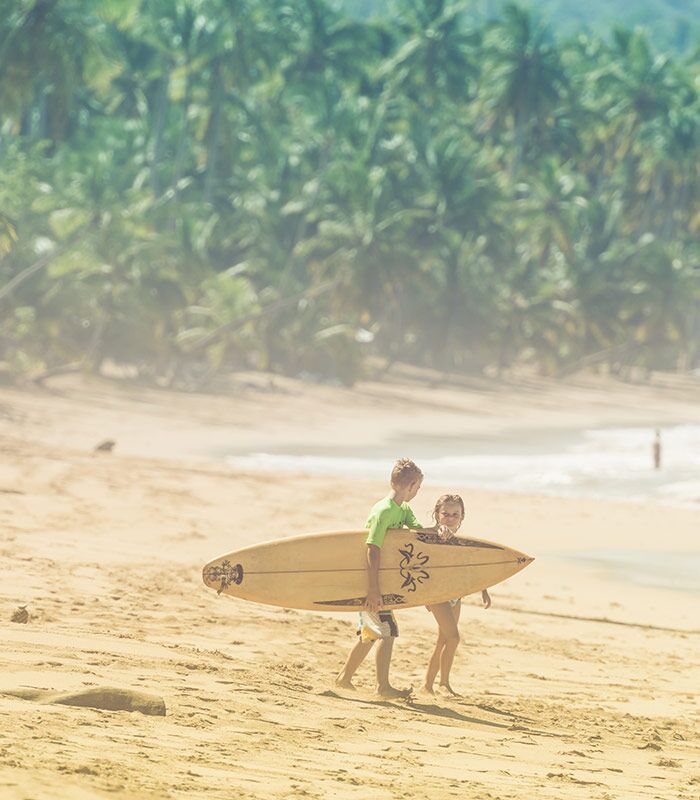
(381, 625)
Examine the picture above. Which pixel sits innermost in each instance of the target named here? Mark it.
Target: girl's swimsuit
(453, 603)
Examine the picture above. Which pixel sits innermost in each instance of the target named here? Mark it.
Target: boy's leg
(356, 656)
(384, 688)
(383, 660)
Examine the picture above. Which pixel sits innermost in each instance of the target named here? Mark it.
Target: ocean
(609, 463)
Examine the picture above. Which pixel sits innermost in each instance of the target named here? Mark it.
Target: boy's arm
(411, 521)
(375, 539)
(374, 595)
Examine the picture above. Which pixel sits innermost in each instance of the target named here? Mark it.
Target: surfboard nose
(523, 560)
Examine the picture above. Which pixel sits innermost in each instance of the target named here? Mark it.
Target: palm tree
(668, 166)
(52, 53)
(460, 237)
(634, 88)
(527, 80)
(435, 60)
(358, 232)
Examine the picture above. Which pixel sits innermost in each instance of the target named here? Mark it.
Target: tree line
(191, 186)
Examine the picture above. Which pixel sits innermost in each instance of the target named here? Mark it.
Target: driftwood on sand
(104, 697)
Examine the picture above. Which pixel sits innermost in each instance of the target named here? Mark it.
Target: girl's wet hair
(448, 498)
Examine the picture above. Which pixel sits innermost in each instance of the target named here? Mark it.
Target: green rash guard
(387, 514)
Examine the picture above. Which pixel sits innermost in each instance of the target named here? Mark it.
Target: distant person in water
(657, 449)
(375, 625)
(448, 515)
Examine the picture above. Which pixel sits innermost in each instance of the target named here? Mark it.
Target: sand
(575, 684)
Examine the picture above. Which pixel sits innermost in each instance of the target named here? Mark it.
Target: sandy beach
(576, 683)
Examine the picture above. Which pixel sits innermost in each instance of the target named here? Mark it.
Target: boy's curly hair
(405, 472)
(448, 498)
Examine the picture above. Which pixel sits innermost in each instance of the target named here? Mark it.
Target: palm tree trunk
(451, 308)
(519, 146)
(159, 129)
(214, 131)
(182, 138)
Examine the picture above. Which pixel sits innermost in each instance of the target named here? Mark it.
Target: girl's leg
(456, 611)
(433, 664)
(447, 616)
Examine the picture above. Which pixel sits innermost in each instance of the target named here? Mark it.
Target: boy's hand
(486, 598)
(373, 602)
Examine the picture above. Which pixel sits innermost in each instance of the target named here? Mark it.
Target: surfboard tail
(221, 575)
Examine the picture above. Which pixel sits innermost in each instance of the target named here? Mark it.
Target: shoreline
(647, 487)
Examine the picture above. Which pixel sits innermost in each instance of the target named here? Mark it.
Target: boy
(391, 512)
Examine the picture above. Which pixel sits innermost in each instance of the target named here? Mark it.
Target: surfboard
(328, 571)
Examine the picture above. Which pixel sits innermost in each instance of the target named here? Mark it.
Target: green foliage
(424, 186)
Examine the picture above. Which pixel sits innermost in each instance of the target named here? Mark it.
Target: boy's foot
(344, 683)
(391, 693)
(445, 690)
(426, 691)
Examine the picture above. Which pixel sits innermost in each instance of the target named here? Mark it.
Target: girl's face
(450, 515)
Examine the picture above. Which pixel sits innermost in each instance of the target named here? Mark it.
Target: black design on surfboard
(412, 567)
(225, 574)
(387, 599)
(434, 538)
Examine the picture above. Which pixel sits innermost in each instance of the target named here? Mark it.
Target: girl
(448, 515)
